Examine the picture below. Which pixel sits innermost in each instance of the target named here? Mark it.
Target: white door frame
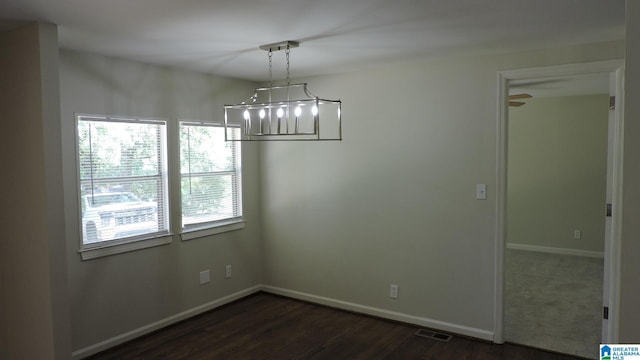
(615, 67)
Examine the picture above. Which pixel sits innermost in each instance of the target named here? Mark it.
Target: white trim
(501, 206)
(382, 313)
(122, 338)
(615, 246)
(554, 250)
(216, 229)
(119, 248)
(608, 66)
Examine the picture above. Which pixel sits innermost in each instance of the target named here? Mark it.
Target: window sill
(119, 248)
(195, 233)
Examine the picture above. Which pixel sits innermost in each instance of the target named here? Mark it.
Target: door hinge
(609, 207)
(612, 102)
(605, 313)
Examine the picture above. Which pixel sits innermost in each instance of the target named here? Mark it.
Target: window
(124, 172)
(122, 166)
(210, 176)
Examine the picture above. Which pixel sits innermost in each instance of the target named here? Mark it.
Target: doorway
(610, 246)
(556, 191)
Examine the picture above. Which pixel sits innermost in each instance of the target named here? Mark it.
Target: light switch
(481, 191)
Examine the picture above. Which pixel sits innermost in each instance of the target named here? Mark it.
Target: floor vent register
(433, 335)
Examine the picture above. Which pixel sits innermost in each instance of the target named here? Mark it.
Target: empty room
(317, 180)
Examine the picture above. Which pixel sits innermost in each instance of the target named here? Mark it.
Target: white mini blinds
(210, 170)
(122, 166)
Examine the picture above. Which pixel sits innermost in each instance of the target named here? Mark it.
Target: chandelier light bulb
(246, 114)
(298, 111)
(280, 112)
(314, 110)
(261, 114)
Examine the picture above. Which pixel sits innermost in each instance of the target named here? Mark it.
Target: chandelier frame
(289, 112)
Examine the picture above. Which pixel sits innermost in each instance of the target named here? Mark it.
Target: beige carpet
(553, 301)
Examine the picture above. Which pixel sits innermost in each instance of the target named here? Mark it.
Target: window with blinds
(122, 166)
(210, 176)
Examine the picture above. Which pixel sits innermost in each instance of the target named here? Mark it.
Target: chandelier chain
(287, 53)
(270, 68)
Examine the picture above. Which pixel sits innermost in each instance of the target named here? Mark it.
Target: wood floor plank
(266, 326)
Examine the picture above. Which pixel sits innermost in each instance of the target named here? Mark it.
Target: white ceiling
(222, 36)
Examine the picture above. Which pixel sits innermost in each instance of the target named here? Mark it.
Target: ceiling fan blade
(519, 96)
(516, 103)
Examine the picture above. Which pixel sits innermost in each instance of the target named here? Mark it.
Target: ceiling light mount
(283, 112)
(283, 45)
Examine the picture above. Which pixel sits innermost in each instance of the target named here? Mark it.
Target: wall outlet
(227, 272)
(205, 277)
(393, 291)
(577, 234)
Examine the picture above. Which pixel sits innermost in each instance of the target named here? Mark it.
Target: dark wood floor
(265, 326)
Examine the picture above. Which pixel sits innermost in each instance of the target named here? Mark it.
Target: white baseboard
(116, 340)
(553, 250)
(339, 304)
(386, 314)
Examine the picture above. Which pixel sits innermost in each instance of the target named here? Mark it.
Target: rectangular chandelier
(287, 112)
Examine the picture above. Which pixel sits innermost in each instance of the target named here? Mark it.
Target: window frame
(131, 243)
(207, 228)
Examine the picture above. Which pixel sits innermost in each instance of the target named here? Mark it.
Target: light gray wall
(113, 295)
(395, 201)
(630, 266)
(34, 311)
(557, 168)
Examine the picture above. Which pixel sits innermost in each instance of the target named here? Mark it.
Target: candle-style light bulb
(297, 112)
(279, 114)
(314, 111)
(247, 122)
(261, 114)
